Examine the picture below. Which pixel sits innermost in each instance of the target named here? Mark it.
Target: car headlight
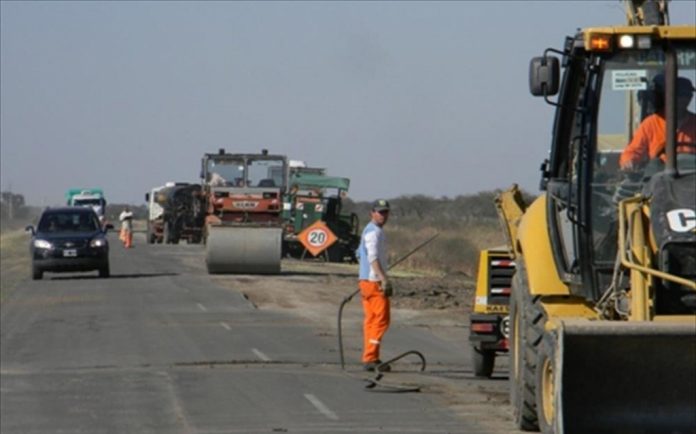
(98, 242)
(42, 244)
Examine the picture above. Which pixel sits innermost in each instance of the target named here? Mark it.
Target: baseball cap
(380, 205)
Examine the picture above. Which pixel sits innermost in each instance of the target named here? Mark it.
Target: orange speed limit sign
(317, 237)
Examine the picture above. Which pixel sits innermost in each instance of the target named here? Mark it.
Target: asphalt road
(160, 347)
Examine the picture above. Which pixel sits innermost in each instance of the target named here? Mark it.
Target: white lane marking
(201, 307)
(323, 409)
(261, 355)
(225, 325)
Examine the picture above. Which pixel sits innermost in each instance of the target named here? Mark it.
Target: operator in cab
(649, 139)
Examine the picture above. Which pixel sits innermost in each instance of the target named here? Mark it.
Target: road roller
(243, 226)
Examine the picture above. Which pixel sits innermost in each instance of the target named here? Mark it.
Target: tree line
(444, 211)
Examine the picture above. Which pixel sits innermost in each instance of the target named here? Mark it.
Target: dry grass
(15, 262)
(454, 251)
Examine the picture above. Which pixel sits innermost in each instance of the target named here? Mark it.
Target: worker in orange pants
(126, 235)
(376, 322)
(375, 288)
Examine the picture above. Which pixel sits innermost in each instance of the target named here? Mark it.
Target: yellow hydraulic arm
(510, 206)
(647, 12)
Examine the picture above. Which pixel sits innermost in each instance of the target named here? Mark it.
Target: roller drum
(243, 250)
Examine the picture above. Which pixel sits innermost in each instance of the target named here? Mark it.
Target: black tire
(104, 271)
(524, 341)
(484, 361)
(167, 232)
(545, 389)
(36, 273)
(336, 252)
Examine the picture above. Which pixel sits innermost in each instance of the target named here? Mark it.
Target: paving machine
(314, 196)
(243, 225)
(603, 300)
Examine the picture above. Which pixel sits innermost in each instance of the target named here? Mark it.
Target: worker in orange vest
(126, 236)
(375, 287)
(649, 139)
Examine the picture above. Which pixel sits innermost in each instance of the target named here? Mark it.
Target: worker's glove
(387, 288)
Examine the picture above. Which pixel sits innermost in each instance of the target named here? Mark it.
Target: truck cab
(91, 197)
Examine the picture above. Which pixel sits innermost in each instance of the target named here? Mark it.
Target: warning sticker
(629, 80)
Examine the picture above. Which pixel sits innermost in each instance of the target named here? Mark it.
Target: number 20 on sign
(317, 237)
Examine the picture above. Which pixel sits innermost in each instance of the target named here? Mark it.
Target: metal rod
(420, 246)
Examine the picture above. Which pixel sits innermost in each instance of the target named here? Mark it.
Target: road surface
(162, 347)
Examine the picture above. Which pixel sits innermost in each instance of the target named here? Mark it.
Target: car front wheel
(36, 273)
(104, 271)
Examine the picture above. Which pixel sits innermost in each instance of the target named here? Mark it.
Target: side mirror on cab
(108, 226)
(30, 228)
(544, 73)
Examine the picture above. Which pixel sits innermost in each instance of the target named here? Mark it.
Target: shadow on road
(116, 276)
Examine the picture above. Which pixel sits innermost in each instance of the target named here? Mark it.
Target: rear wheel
(36, 273)
(523, 343)
(336, 252)
(484, 361)
(167, 232)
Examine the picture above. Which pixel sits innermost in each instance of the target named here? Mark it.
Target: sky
(404, 98)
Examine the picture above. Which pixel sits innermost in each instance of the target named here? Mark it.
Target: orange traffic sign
(317, 237)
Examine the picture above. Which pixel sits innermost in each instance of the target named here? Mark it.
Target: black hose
(374, 383)
(340, 333)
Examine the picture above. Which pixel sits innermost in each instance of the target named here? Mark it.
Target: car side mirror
(30, 228)
(108, 226)
(544, 73)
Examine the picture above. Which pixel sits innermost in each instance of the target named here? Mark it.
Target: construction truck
(175, 212)
(315, 196)
(90, 197)
(603, 302)
(243, 200)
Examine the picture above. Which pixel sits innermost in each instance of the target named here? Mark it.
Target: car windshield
(87, 202)
(68, 222)
(266, 173)
(226, 173)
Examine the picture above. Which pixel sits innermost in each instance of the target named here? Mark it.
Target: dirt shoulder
(316, 289)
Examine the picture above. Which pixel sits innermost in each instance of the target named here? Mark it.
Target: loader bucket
(243, 249)
(626, 377)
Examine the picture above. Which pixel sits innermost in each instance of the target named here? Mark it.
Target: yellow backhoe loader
(603, 299)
